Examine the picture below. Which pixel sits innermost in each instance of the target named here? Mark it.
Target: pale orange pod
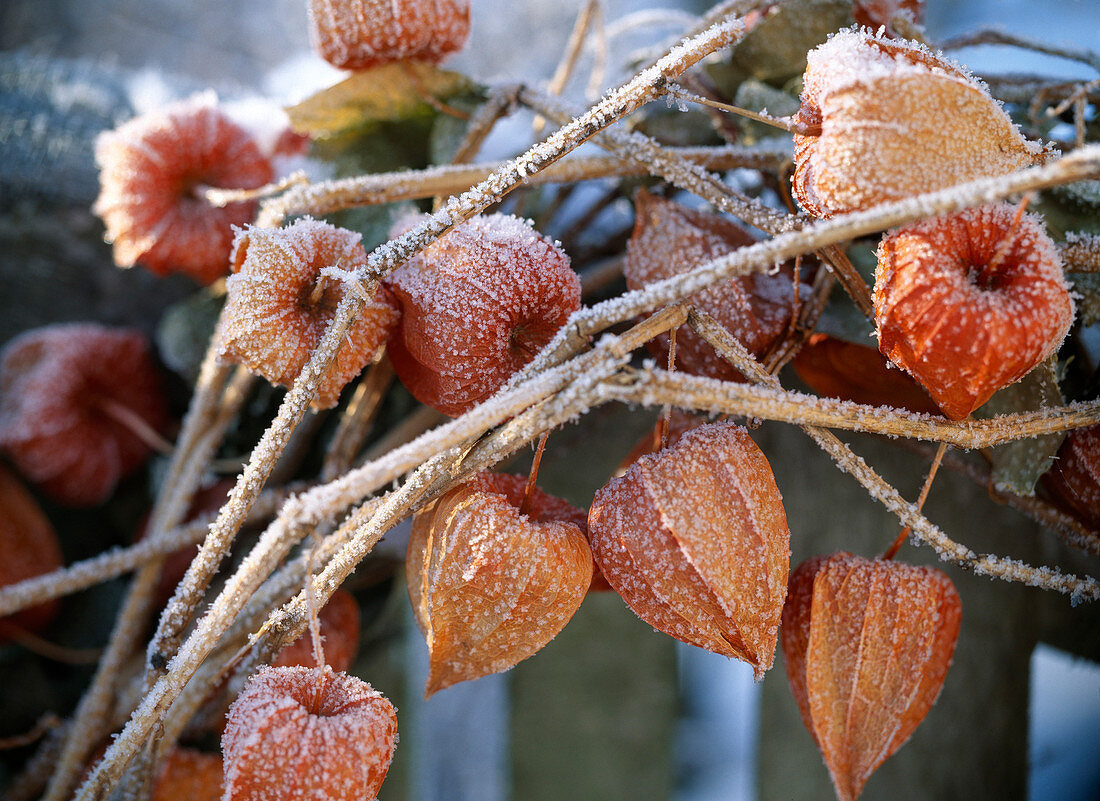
(695, 540)
(670, 239)
(153, 171)
(489, 584)
(279, 305)
(867, 644)
(307, 733)
(359, 34)
(884, 119)
(968, 303)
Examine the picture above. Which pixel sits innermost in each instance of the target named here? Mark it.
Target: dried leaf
(867, 645)
(1018, 465)
(695, 540)
(489, 585)
(389, 93)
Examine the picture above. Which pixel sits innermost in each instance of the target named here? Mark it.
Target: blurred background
(610, 709)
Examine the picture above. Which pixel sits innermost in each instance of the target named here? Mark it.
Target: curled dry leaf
(477, 305)
(29, 548)
(307, 733)
(867, 645)
(280, 304)
(358, 34)
(888, 119)
(1074, 480)
(339, 621)
(670, 239)
(836, 368)
(968, 303)
(71, 399)
(695, 540)
(490, 585)
(153, 170)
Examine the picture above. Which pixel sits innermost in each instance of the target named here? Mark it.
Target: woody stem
(529, 490)
(904, 535)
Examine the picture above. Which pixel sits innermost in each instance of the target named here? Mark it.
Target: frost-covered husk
(895, 120)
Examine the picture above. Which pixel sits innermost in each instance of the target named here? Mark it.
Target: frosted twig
(117, 561)
(1086, 588)
(217, 196)
(657, 387)
(365, 190)
(501, 102)
(569, 57)
(995, 37)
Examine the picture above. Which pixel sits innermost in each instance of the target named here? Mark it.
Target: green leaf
(390, 93)
(759, 96)
(1018, 465)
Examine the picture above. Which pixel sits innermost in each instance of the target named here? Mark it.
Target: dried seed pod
(489, 584)
(29, 547)
(477, 305)
(670, 239)
(71, 398)
(679, 423)
(359, 34)
(189, 775)
(867, 645)
(891, 119)
(846, 370)
(152, 173)
(1074, 478)
(968, 303)
(280, 305)
(339, 622)
(307, 733)
(695, 540)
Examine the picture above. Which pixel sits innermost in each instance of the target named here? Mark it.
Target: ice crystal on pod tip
(695, 540)
(490, 585)
(477, 305)
(970, 302)
(867, 646)
(153, 170)
(359, 34)
(71, 398)
(670, 239)
(888, 119)
(305, 734)
(279, 304)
